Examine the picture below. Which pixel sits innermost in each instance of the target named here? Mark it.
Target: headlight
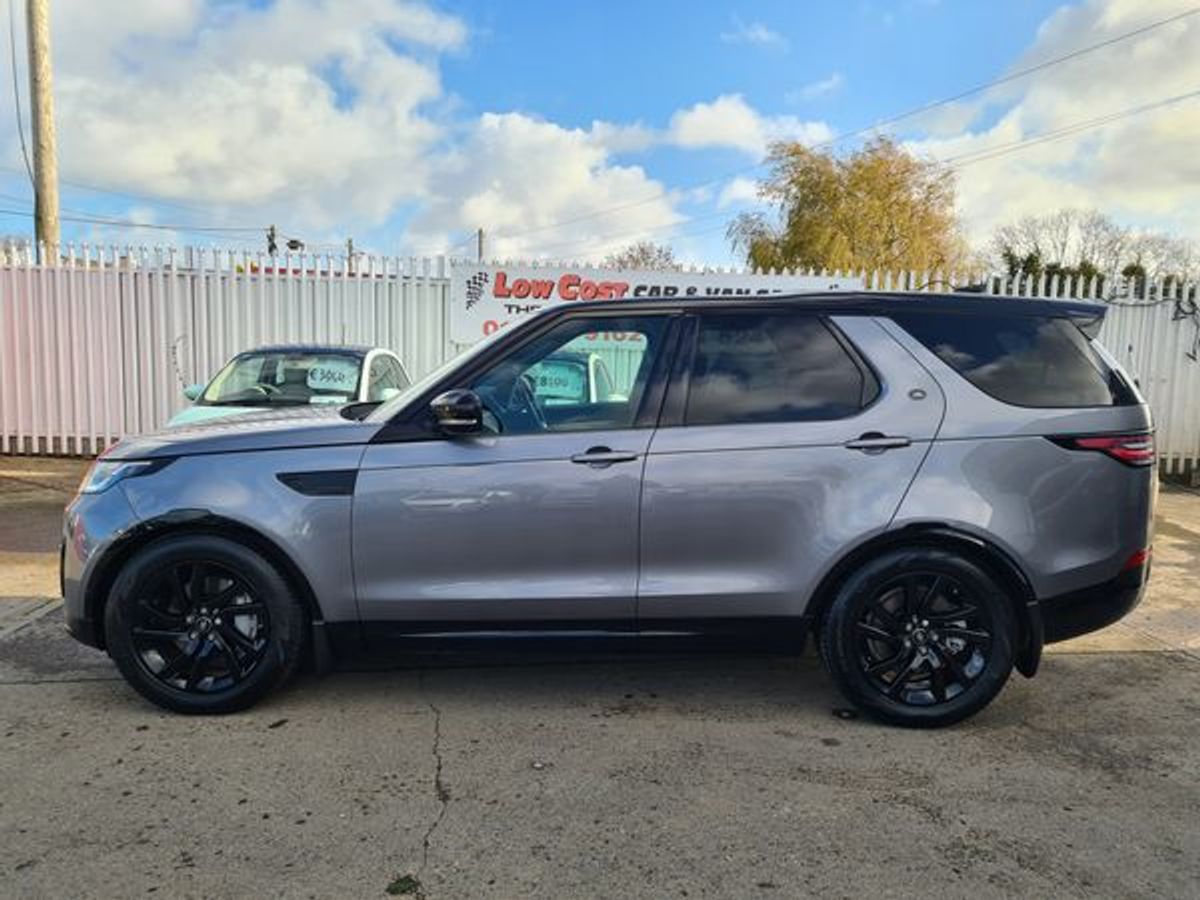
(104, 474)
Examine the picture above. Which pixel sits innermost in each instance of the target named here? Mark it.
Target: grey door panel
(499, 528)
(744, 520)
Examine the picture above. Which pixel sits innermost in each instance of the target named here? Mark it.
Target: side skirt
(351, 640)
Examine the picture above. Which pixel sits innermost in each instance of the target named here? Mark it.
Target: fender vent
(330, 483)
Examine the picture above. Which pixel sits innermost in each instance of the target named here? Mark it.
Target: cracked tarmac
(506, 775)
(646, 776)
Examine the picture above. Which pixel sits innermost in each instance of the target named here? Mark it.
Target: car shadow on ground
(722, 683)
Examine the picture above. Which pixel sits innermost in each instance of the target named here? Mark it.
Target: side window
(1023, 360)
(546, 385)
(773, 367)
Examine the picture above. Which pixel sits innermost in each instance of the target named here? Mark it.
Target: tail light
(1137, 560)
(1131, 449)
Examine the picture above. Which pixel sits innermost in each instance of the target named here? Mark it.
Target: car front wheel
(920, 637)
(203, 624)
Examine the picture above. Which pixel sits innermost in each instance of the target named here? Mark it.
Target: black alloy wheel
(198, 627)
(920, 636)
(923, 639)
(199, 623)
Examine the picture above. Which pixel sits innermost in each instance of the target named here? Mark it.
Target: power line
(448, 250)
(12, 49)
(117, 192)
(12, 198)
(1021, 73)
(610, 246)
(627, 235)
(127, 223)
(966, 159)
(916, 111)
(983, 155)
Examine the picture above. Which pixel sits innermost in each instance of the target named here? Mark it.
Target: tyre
(920, 637)
(203, 624)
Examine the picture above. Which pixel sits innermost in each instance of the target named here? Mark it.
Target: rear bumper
(1092, 608)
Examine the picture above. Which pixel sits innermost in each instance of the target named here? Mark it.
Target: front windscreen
(286, 379)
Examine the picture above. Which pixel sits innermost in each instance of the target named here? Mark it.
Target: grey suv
(934, 486)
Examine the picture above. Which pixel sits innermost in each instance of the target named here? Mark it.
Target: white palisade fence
(100, 345)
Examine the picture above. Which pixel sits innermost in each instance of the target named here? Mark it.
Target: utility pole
(479, 244)
(45, 145)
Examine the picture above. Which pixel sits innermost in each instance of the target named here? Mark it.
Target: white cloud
(617, 138)
(1143, 169)
(537, 189)
(738, 190)
(329, 119)
(831, 84)
(729, 121)
(302, 111)
(752, 33)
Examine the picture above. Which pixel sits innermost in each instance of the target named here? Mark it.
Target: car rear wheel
(203, 624)
(920, 637)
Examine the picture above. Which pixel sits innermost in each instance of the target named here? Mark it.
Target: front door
(536, 520)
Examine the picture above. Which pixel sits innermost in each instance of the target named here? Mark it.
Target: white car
(295, 375)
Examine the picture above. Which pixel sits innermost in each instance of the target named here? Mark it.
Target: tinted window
(1022, 360)
(546, 385)
(773, 367)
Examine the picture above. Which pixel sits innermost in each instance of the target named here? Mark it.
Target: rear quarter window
(1034, 361)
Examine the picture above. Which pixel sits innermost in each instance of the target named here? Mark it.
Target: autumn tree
(879, 208)
(643, 255)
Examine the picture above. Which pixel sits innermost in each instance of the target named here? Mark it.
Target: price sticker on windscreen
(334, 374)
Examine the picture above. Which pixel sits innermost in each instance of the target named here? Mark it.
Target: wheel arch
(191, 522)
(948, 537)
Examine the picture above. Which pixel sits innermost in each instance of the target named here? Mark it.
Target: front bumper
(1092, 608)
(92, 525)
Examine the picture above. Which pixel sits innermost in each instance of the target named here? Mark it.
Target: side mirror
(458, 412)
(386, 394)
(193, 392)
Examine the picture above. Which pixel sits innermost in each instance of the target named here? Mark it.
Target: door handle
(876, 442)
(603, 456)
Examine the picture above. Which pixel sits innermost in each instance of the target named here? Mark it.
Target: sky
(567, 130)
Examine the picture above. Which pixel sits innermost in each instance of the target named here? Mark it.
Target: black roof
(866, 302)
(350, 349)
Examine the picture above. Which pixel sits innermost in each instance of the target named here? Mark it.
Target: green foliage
(404, 885)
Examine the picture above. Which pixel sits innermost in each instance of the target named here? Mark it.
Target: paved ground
(32, 495)
(644, 776)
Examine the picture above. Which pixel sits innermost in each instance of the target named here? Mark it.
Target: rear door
(787, 438)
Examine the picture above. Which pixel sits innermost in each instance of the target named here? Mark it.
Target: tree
(1089, 243)
(880, 208)
(643, 255)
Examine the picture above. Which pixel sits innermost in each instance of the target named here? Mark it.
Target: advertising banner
(487, 297)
